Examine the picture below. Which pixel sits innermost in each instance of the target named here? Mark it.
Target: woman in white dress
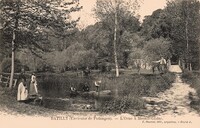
(33, 86)
(22, 93)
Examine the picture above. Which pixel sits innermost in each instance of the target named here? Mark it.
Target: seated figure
(86, 88)
(73, 92)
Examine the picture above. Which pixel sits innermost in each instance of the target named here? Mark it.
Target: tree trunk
(13, 45)
(187, 41)
(115, 41)
(34, 59)
(13, 60)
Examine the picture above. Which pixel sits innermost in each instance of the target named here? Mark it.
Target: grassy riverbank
(130, 90)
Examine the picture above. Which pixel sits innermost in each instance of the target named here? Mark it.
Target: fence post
(15, 82)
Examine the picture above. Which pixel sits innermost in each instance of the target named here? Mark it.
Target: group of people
(161, 65)
(24, 93)
(85, 88)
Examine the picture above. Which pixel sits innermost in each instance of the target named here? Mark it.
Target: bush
(6, 66)
(136, 86)
(193, 79)
(121, 105)
(105, 67)
(154, 48)
(187, 75)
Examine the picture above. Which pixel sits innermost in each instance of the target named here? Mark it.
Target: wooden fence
(4, 81)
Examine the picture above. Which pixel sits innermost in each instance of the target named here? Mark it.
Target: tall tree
(27, 22)
(156, 25)
(185, 30)
(115, 40)
(117, 16)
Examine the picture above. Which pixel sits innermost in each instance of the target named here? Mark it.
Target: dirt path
(174, 101)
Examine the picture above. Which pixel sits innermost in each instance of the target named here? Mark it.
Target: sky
(88, 18)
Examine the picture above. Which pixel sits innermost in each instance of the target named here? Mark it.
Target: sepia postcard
(99, 63)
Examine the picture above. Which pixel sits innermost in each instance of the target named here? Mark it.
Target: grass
(127, 90)
(9, 104)
(193, 78)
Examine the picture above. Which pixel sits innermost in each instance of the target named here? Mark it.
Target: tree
(115, 39)
(185, 19)
(116, 17)
(83, 59)
(157, 48)
(156, 25)
(27, 22)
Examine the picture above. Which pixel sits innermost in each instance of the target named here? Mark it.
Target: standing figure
(163, 64)
(22, 75)
(22, 93)
(97, 84)
(155, 64)
(33, 86)
(168, 63)
(86, 72)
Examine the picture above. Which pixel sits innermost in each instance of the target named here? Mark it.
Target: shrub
(6, 66)
(187, 75)
(194, 81)
(105, 66)
(136, 86)
(121, 105)
(155, 48)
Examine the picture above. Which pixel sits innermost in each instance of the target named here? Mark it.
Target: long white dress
(22, 93)
(33, 86)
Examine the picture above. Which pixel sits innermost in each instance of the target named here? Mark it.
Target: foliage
(27, 58)
(126, 10)
(187, 74)
(185, 18)
(83, 59)
(101, 35)
(134, 86)
(179, 22)
(74, 57)
(27, 23)
(156, 25)
(105, 66)
(193, 79)
(121, 105)
(31, 26)
(6, 64)
(156, 48)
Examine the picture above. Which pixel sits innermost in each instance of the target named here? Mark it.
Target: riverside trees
(179, 23)
(25, 23)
